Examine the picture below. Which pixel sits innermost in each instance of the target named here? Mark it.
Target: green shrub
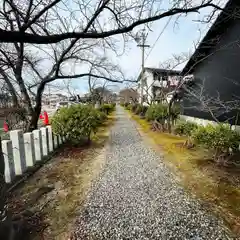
(185, 128)
(107, 108)
(134, 107)
(220, 138)
(128, 107)
(141, 110)
(126, 104)
(157, 112)
(175, 111)
(100, 117)
(77, 122)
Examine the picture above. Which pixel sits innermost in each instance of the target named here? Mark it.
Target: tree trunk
(37, 109)
(169, 116)
(33, 124)
(10, 88)
(26, 99)
(18, 75)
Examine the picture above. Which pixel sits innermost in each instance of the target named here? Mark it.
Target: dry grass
(218, 187)
(70, 172)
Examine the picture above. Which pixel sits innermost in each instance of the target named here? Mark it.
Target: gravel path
(136, 197)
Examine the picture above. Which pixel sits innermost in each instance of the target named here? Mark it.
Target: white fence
(24, 150)
(205, 122)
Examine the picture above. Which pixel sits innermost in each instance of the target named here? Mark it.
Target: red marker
(46, 120)
(5, 126)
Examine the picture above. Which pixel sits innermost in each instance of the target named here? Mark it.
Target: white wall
(148, 76)
(205, 122)
(150, 82)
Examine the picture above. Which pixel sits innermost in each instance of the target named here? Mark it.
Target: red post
(5, 126)
(46, 120)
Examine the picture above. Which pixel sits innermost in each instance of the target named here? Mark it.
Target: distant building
(158, 84)
(52, 99)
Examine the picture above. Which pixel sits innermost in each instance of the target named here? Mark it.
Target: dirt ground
(56, 192)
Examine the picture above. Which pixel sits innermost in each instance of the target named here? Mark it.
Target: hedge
(220, 139)
(77, 122)
(107, 108)
(185, 128)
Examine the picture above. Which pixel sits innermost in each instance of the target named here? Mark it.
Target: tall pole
(143, 46)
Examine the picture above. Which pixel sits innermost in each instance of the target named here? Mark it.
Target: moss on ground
(217, 186)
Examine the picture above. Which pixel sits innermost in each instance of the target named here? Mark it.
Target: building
(157, 84)
(52, 99)
(215, 93)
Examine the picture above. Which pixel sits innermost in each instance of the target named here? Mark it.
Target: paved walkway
(136, 197)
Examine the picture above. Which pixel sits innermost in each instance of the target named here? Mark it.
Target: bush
(77, 122)
(129, 106)
(157, 112)
(219, 138)
(175, 111)
(134, 107)
(141, 110)
(126, 104)
(107, 108)
(185, 128)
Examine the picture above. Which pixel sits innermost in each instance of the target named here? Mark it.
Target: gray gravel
(136, 196)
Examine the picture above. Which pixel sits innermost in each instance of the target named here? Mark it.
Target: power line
(160, 34)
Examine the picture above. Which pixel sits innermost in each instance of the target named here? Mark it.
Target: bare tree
(35, 19)
(101, 90)
(63, 62)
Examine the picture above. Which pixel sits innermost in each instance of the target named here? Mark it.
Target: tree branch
(15, 36)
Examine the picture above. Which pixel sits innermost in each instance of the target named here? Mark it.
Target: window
(156, 76)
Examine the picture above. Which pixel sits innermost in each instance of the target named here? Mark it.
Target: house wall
(220, 72)
(148, 77)
(150, 82)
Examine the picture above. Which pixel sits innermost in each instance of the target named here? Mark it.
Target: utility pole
(142, 39)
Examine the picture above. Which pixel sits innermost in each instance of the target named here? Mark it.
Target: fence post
(16, 137)
(44, 133)
(60, 139)
(50, 138)
(56, 143)
(37, 137)
(29, 149)
(7, 151)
